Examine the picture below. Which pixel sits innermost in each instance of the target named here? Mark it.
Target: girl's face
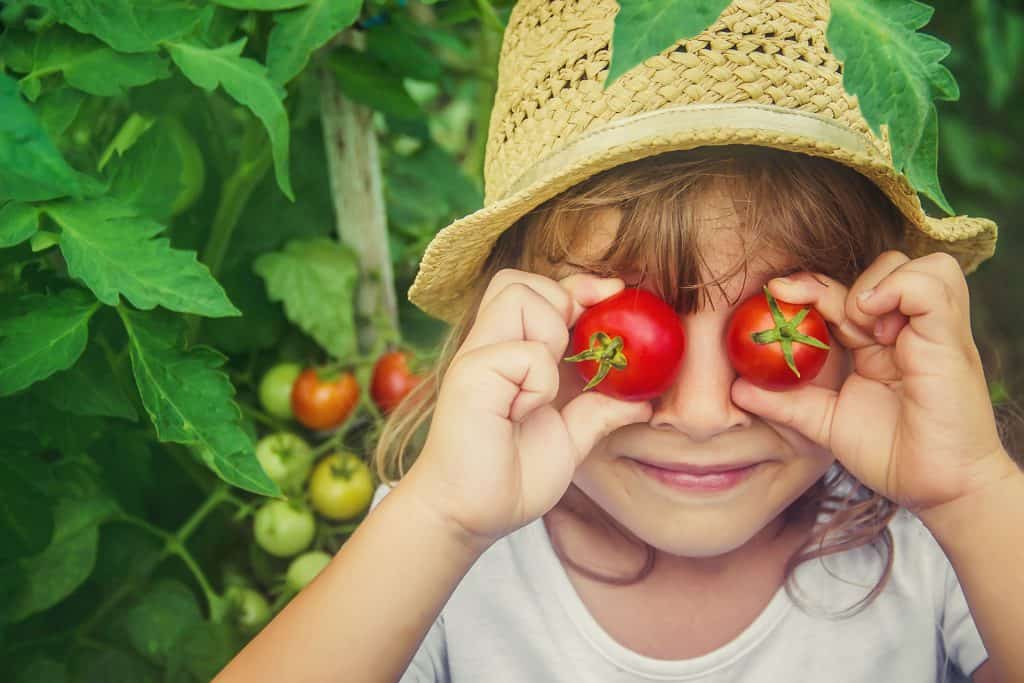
(696, 422)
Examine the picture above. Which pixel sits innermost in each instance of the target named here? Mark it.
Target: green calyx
(785, 332)
(606, 352)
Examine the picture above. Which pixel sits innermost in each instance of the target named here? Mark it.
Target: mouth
(704, 477)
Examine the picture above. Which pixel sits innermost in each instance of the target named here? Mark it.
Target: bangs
(822, 216)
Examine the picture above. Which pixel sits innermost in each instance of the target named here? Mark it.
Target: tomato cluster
(327, 489)
(631, 345)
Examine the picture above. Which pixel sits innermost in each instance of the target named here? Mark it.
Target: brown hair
(828, 217)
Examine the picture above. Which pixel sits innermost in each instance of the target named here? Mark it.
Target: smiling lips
(702, 478)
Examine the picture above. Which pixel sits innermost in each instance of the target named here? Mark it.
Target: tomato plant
(283, 528)
(341, 486)
(276, 389)
(775, 344)
(392, 380)
(286, 458)
(323, 402)
(629, 346)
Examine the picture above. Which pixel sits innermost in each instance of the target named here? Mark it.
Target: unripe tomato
(248, 609)
(629, 346)
(286, 458)
(392, 380)
(283, 528)
(324, 402)
(305, 568)
(776, 345)
(276, 389)
(341, 486)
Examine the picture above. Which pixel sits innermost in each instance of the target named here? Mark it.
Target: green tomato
(305, 568)
(249, 609)
(286, 458)
(283, 528)
(341, 486)
(276, 389)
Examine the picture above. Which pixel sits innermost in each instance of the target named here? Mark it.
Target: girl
(864, 527)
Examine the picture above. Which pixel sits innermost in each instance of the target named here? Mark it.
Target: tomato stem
(785, 332)
(606, 352)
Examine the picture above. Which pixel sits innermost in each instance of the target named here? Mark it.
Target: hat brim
(453, 260)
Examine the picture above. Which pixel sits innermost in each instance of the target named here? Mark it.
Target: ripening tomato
(341, 486)
(304, 568)
(629, 346)
(392, 380)
(276, 389)
(776, 345)
(324, 402)
(283, 528)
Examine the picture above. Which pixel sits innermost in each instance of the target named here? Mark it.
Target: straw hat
(762, 74)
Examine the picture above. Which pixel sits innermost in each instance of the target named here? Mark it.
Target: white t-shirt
(516, 618)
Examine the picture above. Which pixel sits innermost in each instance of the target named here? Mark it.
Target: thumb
(808, 409)
(591, 416)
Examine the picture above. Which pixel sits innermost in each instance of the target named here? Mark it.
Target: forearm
(365, 615)
(984, 540)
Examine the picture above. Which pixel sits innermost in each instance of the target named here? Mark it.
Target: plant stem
(174, 544)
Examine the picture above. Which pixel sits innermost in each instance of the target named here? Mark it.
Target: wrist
(421, 494)
(1000, 486)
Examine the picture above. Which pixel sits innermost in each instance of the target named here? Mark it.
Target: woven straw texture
(762, 74)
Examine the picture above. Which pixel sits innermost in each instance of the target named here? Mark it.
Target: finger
(828, 297)
(508, 379)
(592, 416)
(933, 307)
(570, 295)
(518, 313)
(888, 327)
(808, 409)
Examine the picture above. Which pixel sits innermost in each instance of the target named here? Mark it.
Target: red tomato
(392, 380)
(629, 346)
(775, 344)
(323, 403)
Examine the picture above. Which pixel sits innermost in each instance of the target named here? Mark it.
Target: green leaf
(296, 34)
(58, 108)
(262, 5)
(31, 168)
(90, 65)
(895, 73)
(47, 337)
(69, 558)
(190, 400)
(369, 82)
(315, 279)
(110, 248)
(1000, 34)
(203, 651)
(105, 664)
(26, 520)
(160, 172)
(396, 45)
(18, 222)
(88, 388)
(643, 28)
(43, 670)
(127, 25)
(163, 616)
(246, 81)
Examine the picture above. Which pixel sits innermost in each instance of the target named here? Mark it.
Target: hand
(498, 454)
(913, 421)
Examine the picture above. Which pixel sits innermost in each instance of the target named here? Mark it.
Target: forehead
(722, 247)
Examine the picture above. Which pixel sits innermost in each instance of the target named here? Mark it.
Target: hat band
(705, 121)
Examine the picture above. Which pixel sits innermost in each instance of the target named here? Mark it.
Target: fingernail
(866, 294)
(784, 281)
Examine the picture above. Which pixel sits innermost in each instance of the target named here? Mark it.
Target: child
(868, 524)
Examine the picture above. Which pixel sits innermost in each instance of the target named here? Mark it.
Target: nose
(699, 402)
